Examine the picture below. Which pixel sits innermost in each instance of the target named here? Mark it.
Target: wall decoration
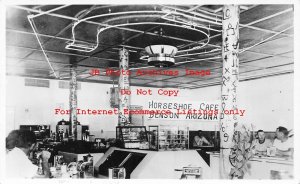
(230, 39)
(123, 119)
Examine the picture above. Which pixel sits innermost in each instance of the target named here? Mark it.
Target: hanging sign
(175, 110)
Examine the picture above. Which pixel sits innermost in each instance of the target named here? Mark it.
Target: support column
(230, 49)
(124, 88)
(73, 103)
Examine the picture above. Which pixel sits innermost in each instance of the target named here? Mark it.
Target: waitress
(19, 144)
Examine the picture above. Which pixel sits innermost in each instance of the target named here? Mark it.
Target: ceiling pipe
(130, 17)
(91, 22)
(195, 13)
(241, 6)
(257, 28)
(257, 21)
(117, 13)
(49, 11)
(193, 8)
(140, 23)
(202, 53)
(158, 16)
(268, 17)
(90, 48)
(97, 23)
(68, 39)
(207, 12)
(125, 13)
(64, 53)
(272, 55)
(264, 40)
(78, 15)
(196, 60)
(131, 12)
(197, 18)
(38, 61)
(46, 57)
(190, 23)
(56, 52)
(187, 24)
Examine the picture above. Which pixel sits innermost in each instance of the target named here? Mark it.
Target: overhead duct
(161, 50)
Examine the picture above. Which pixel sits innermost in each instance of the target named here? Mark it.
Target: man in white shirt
(18, 166)
(283, 143)
(200, 140)
(261, 144)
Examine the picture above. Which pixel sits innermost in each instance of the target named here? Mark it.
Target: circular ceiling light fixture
(161, 55)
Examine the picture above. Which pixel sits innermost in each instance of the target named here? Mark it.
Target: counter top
(273, 159)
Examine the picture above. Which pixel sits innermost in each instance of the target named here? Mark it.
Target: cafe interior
(153, 91)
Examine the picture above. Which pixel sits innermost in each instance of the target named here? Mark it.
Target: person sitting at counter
(200, 140)
(283, 143)
(19, 145)
(261, 143)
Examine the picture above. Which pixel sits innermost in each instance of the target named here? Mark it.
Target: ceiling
(266, 41)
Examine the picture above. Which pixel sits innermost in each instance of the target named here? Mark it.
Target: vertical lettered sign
(73, 101)
(230, 50)
(123, 86)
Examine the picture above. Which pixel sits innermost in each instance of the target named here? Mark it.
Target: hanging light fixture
(161, 54)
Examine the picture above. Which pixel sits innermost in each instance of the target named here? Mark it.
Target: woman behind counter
(19, 144)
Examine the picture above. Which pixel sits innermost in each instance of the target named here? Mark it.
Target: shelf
(131, 136)
(169, 135)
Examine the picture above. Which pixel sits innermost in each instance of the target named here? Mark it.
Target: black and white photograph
(191, 90)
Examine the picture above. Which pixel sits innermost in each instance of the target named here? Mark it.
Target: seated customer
(261, 143)
(200, 140)
(283, 143)
(19, 144)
